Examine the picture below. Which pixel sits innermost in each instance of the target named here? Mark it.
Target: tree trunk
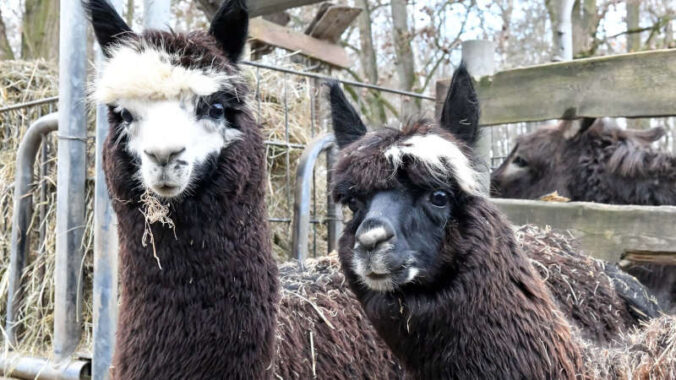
(368, 60)
(585, 25)
(40, 36)
(130, 12)
(560, 14)
(404, 64)
(633, 39)
(5, 48)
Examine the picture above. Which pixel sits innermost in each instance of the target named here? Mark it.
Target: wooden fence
(627, 85)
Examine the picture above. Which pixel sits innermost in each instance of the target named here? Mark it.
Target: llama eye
(439, 198)
(520, 161)
(126, 116)
(216, 111)
(354, 204)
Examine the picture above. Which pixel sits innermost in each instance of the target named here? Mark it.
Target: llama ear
(230, 26)
(109, 27)
(649, 135)
(460, 114)
(572, 128)
(347, 125)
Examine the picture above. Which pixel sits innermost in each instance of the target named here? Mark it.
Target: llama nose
(373, 232)
(163, 156)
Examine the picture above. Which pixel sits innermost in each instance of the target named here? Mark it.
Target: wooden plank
(263, 7)
(628, 85)
(605, 231)
(275, 35)
(331, 22)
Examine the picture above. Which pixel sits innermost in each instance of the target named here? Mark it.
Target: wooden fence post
(479, 57)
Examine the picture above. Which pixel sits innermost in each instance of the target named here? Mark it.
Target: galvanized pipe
(303, 194)
(71, 176)
(22, 215)
(105, 251)
(26, 367)
(334, 215)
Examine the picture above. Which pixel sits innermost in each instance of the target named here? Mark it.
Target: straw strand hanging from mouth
(154, 211)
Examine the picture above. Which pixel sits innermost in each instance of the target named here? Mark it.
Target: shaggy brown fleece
(322, 331)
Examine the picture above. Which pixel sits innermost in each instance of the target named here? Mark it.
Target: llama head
(404, 188)
(546, 159)
(173, 98)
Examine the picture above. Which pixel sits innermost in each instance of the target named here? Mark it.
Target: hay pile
(322, 330)
(646, 353)
(599, 305)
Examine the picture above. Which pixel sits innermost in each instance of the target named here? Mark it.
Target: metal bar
(105, 251)
(334, 222)
(303, 195)
(344, 81)
(33, 103)
(71, 176)
(156, 14)
(22, 214)
(26, 367)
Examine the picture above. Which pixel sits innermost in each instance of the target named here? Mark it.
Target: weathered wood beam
(275, 35)
(331, 21)
(628, 85)
(263, 7)
(608, 232)
(256, 7)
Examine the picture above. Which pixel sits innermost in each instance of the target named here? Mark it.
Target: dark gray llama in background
(595, 162)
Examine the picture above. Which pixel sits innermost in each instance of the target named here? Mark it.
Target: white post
(156, 14)
(479, 57)
(71, 174)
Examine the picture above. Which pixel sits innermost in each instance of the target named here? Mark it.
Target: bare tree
(5, 48)
(40, 31)
(405, 64)
(586, 21)
(560, 13)
(633, 39)
(369, 63)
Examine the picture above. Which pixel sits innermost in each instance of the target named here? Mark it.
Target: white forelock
(150, 75)
(438, 155)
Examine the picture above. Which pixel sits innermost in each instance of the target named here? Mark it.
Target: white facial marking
(149, 74)
(412, 273)
(382, 285)
(438, 155)
(372, 236)
(171, 141)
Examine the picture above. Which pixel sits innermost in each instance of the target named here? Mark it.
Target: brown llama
(201, 300)
(595, 162)
(436, 267)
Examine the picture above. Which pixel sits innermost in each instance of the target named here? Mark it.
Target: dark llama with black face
(181, 132)
(210, 310)
(435, 266)
(595, 162)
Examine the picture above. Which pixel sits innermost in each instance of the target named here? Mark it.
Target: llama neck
(493, 319)
(623, 174)
(210, 310)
